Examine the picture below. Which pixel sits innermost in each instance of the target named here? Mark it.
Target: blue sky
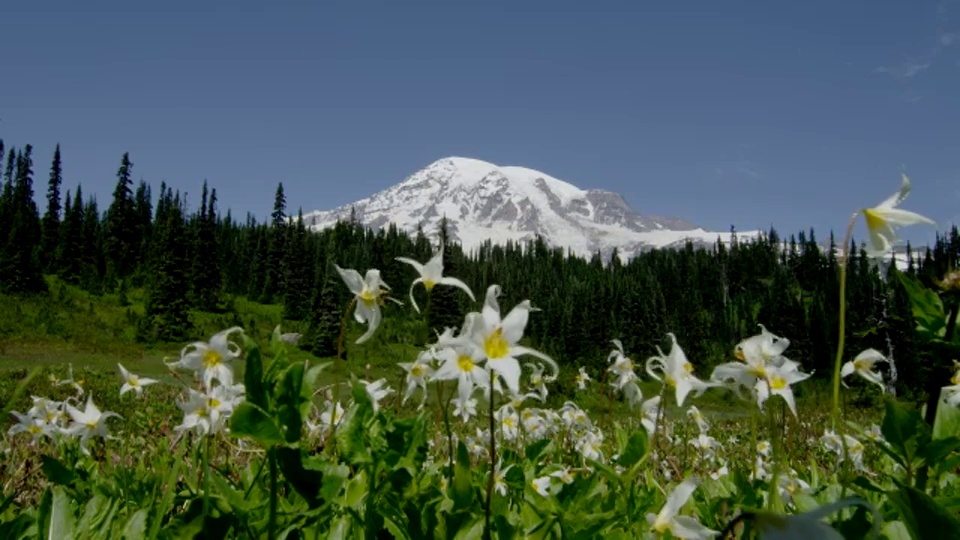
(747, 113)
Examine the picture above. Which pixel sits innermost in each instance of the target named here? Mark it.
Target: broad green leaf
(923, 516)
(136, 526)
(57, 472)
(947, 421)
(461, 489)
(635, 450)
(253, 374)
(356, 489)
(96, 519)
(305, 481)
(61, 516)
(904, 430)
(289, 400)
(535, 450)
(926, 306)
(895, 530)
(249, 420)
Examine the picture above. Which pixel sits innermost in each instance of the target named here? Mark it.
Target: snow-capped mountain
(484, 201)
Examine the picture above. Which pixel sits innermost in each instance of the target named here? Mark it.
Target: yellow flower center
(368, 297)
(759, 371)
(211, 358)
(956, 378)
(874, 221)
(777, 382)
(861, 365)
(35, 429)
(671, 382)
(465, 363)
(429, 284)
(91, 425)
(495, 346)
(213, 403)
(738, 353)
(133, 380)
(509, 423)
(688, 367)
(417, 371)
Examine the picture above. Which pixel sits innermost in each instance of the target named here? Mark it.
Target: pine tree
(91, 255)
(297, 272)
(324, 328)
(273, 284)
(207, 270)
(143, 229)
(51, 218)
(167, 313)
(20, 270)
(119, 230)
(70, 245)
(443, 310)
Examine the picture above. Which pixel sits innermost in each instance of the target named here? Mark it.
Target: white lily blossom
(133, 382)
(669, 519)
(88, 423)
(431, 274)
(677, 371)
(211, 360)
(863, 366)
(369, 292)
(883, 220)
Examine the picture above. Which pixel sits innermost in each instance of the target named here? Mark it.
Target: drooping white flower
(702, 425)
(417, 374)
(677, 371)
(377, 390)
(207, 412)
(461, 361)
(649, 412)
(133, 382)
(755, 354)
(883, 220)
(369, 292)
(777, 382)
(431, 274)
(211, 360)
(88, 423)
(863, 365)
(582, 378)
(541, 485)
(679, 526)
(70, 381)
(35, 427)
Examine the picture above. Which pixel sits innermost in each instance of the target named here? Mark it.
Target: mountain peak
(484, 201)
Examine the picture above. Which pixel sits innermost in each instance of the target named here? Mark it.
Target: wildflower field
(468, 441)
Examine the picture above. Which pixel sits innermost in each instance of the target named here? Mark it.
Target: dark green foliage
(325, 314)
(298, 273)
(119, 230)
(207, 276)
(20, 269)
(51, 218)
(167, 315)
(443, 309)
(273, 282)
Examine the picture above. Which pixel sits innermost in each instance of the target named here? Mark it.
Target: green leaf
(635, 449)
(537, 449)
(923, 516)
(57, 472)
(356, 489)
(61, 516)
(249, 420)
(947, 421)
(926, 306)
(895, 530)
(904, 430)
(305, 481)
(136, 526)
(462, 486)
(289, 401)
(253, 374)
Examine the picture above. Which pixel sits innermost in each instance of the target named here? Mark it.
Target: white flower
(622, 366)
(677, 371)
(461, 361)
(377, 390)
(77, 385)
(541, 486)
(211, 360)
(702, 425)
(862, 365)
(498, 339)
(648, 414)
(754, 354)
(679, 526)
(36, 427)
(431, 274)
(883, 219)
(582, 378)
(133, 382)
(417, 374)
(764, 448)
(330, 417)
(368, 292)
(88, 423)
(777, 382)
(808, 526)
(207, 413)
(465, 409)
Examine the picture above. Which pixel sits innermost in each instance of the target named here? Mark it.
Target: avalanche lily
(862, 365)
(431, 274)
(369, 292)
(133, 382)
(677, 371)
(88, 423)
(211, 360)
(679, 526)
(883, 219)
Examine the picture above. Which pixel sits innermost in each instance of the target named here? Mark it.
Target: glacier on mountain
(483, 201)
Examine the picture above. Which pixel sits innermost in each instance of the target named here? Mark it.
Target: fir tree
(119, 228)
(167, 313)
(324, 328)
(20, 270)
(91, 255)
(70, 245)
(443, 310)
(207, 272)
(273, 284)
(51, 218)
(297, 272)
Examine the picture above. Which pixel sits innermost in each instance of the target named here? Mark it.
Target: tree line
(198, 259)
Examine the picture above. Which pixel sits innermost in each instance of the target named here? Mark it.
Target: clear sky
(791, 114)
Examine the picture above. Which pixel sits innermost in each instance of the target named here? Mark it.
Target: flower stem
(205, 458)
(272, 520)
(339, 366)
(775, 503)
(488, 531)
(843, 320)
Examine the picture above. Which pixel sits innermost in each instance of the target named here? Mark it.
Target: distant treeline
(197, 259)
